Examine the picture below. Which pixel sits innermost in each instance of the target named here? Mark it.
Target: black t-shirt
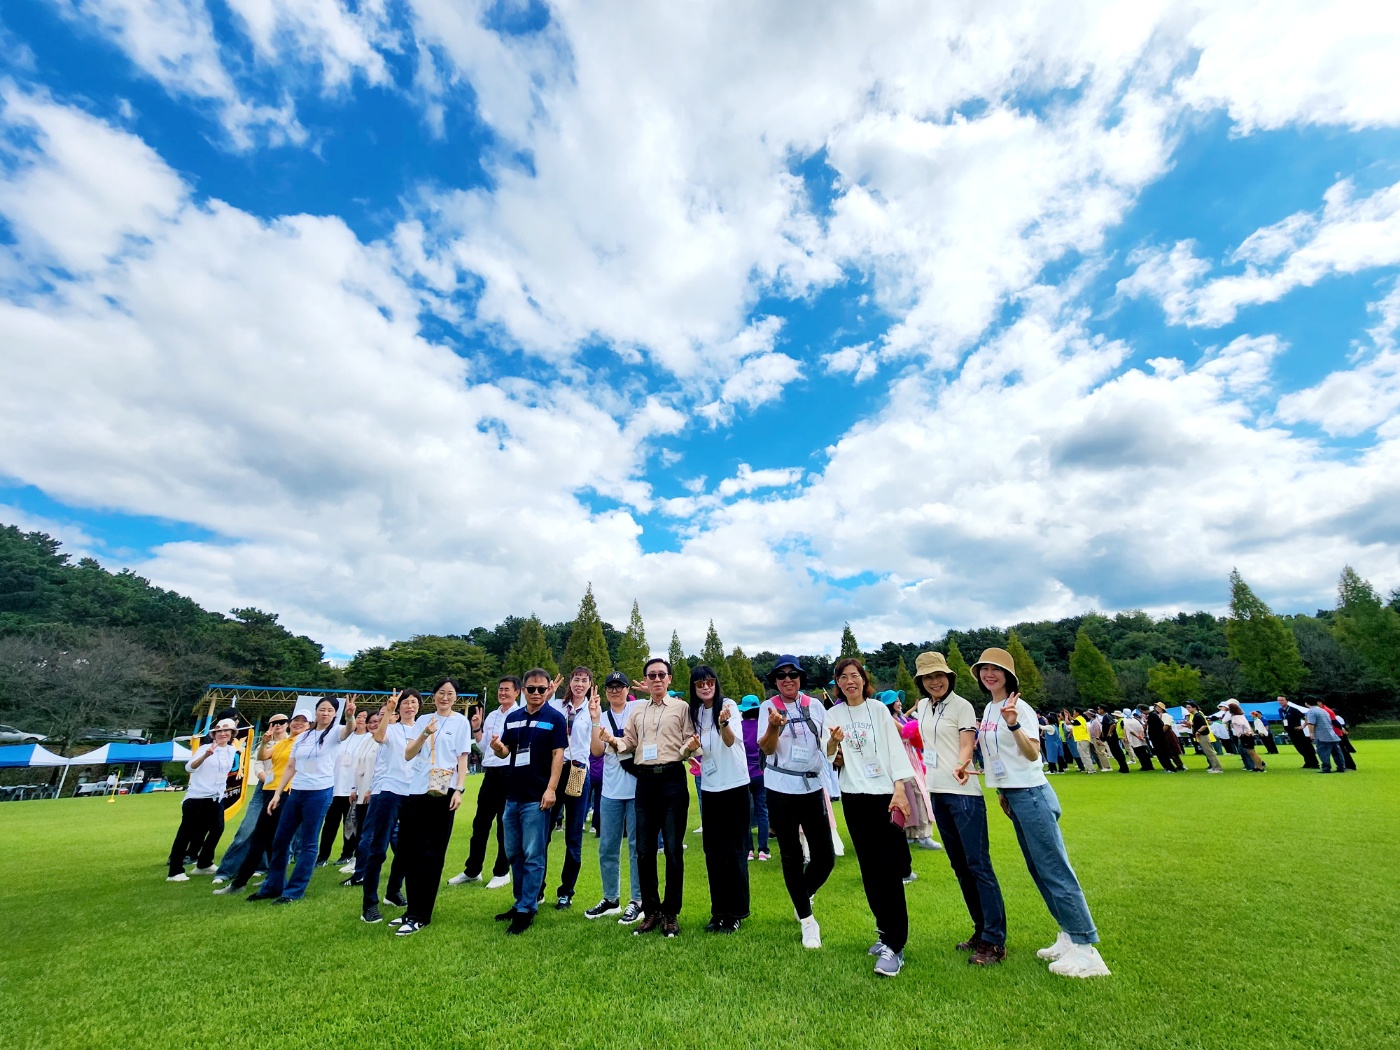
(532, 740)
(1199, 724)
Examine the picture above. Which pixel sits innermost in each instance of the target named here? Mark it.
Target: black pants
(1115, 748)
(340, 806)
(571, 813)
(1304, 747)
(663, 803)
(726, 841)
(490, 808)
(1348, 751)
(1269, 745)
(432, 817)
(264, 831)
(201, 825)
(882, 852)
(789, 814)
(596, 801)
(1144, 755)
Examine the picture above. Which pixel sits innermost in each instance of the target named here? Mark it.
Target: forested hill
(82, 647)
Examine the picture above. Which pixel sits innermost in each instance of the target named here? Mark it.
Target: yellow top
(1079, 728)
(281, 751)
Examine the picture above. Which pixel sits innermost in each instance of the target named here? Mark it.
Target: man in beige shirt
(661, 736)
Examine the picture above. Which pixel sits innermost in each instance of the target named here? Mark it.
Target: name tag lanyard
(711, 758)
(998, 766)
(872, 769)
(651, 752)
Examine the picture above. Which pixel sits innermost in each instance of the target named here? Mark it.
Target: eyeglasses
(656, 676)
(616, 685)
(535, 690)
(783, 676)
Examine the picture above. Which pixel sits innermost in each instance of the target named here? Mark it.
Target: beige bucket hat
(1002, 659)
(933, 663)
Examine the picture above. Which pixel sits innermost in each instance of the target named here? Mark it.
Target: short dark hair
(537, 672)
(410, 692)
(513, 680)
(448, 681)
(658, 660)
(851, 661)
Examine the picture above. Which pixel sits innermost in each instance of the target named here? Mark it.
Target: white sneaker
(463, 879)
(182, 877)
(225, 889)
(207, 871)
(837, 846)
(1059, 948)
(348, 869)
(219, 880)
(698, 830)
(498, 882)
(1082, 960)
(811, 933)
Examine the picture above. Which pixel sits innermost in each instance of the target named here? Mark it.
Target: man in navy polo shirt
(533, 742)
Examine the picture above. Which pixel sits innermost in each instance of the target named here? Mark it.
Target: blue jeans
(619, 818)
(1328, 750)
(962, 825)
(758, 812)
(527, 841)
(381, 819)
(303, 812)
(1035, 814)
(238, 848)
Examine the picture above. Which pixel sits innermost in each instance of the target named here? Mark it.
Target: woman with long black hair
(724, 783)
(874, 771)
(446, 738)
(308, 783)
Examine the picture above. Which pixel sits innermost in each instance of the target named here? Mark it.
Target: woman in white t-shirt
(202, 812)
(308, 783)
(724, 785)
(948, 725)
(1010, 741)
(874, 768)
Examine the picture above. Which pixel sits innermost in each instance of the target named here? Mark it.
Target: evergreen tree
(1092, 673)
(1174, 684)
(1032, 686)
(632, 650)
(745, 681)
(713, 654)
(1261, 643)
(531, 649)
(587, 647)
(848, 643)
(1367, 628)
(680, 669)
(967, 685)
(904, 681)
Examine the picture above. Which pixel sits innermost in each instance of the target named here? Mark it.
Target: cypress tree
(713, 654)
(848, 642)
(967, 685)
(632, 649)
(531, 649)
(1261, 643)
(587, 647)
(1027, 674)
(680, 669)
(745, 681)
(1091, 671)
(1368, 628)
(904, 681)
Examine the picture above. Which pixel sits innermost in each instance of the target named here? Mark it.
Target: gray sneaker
(889, 963)
(632, 913)
(876, 948)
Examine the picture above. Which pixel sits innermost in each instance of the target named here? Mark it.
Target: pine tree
(904, 682)
(632, 649)
(966, 685)
(680, 669)
(1174, 684)
(1368, 628)
(587, 647)
(1261, 643)
(531, 650)
(1092, 673)
(848, 643)
(713, 654)
(1032, 685)
(741, 670)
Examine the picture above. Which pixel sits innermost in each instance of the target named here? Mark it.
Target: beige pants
(1207, 743)
(1105, 755)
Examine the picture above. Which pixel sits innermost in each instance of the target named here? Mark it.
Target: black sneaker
(728, 926)
(632, 913)
(399, 921)
(396, 899)
(521, 923)
(507, 915)
(352, 881)
(285, 900)
(258, 895)
(371, 914)
(603, 907)
(651, 922)
(566, 900)
(713, 925)
(670, 927)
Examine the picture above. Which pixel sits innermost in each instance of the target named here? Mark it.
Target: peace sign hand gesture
(1008, 711)
(595, 708)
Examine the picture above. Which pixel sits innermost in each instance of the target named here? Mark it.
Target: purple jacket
(751, 746)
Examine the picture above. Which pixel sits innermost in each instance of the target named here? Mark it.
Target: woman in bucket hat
(948, 725)
(1011, 752)
(790, 727)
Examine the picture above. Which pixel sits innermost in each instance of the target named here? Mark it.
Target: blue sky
(404, 317)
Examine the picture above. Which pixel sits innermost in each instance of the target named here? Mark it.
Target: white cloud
(760, 379)
(1349, 234)
(746, 479)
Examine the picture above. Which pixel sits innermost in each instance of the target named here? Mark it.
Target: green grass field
(1235, 911)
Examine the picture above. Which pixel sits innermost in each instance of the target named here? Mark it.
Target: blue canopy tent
(1269, 710)
(24, 755)
(125, 754)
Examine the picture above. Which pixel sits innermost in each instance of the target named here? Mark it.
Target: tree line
(81, 647)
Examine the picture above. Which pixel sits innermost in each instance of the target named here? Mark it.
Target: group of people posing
(394, 777)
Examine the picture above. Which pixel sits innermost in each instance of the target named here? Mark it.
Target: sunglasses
(616, 685)
(536, 689)
(655, 676)
(783, 676)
